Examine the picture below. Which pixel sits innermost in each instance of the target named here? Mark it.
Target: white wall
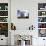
(31, 6)
(23, 24)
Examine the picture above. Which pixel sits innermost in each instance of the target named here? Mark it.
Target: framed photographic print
(22, 14)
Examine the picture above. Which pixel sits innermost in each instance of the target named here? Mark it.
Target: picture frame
(21, 14)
